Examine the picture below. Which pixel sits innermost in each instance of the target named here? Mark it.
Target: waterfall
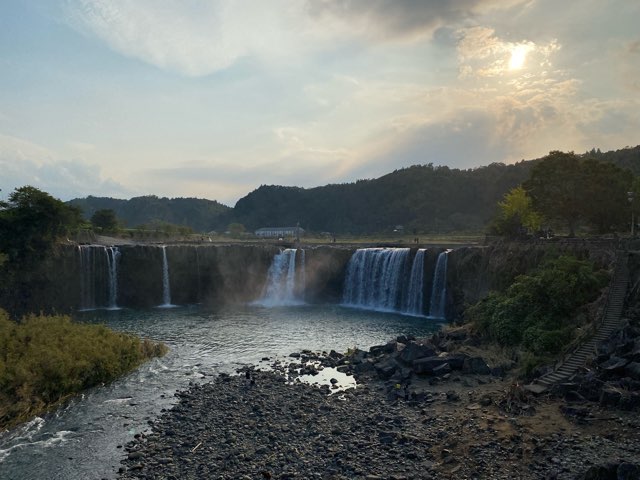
(112, 267)
(375, 278)
(281, 285)
(166, 285)
(439, 290)
(414, 301)
(98, 277)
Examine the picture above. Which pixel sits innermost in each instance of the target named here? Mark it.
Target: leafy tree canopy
(105, 219)
(32, 221)
(571, 190)
(517, 215)
(538, 310)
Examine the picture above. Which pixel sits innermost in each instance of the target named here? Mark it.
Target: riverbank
(256, 425)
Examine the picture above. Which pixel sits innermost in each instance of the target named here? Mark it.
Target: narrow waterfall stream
(98, 277)
(439, 291)
(166, 284)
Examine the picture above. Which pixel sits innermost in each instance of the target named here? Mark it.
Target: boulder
(633, 370)
(427, 364)
(386, 368)
(476, 365)
(610, 397)
(614, 364)
(389, 347)
(628, 471)
(414, 350)
(601, 472)
(441, 370)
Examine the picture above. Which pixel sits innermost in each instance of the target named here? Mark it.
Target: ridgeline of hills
(199, 214)
(422, 198)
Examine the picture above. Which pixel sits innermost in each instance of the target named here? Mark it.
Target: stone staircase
(570, 364)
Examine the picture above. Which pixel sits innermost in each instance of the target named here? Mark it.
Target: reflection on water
(81, 440)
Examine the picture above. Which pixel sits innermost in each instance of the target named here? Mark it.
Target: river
(84, 439)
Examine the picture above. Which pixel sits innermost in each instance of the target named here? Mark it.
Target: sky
(213, 98)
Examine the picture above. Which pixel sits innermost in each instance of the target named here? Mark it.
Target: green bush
(538, 311)
(45, 359)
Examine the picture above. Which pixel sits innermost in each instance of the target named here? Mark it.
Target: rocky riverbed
(458, 423)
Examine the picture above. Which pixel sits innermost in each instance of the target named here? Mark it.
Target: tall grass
(46, 359)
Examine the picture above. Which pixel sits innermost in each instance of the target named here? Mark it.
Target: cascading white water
(414, 301)
(375, 278)
(166, 285)
(98, 277)
(281, 288)
(113, 254)
(439, 289)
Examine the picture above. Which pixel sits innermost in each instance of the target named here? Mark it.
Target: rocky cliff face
(475, 271)
(219, 274)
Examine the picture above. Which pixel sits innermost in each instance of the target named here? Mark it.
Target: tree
(555, 186)
(605, 204)
(32, 221)
(517, 214)
(571, 190)
(236, 229)
(105, 219)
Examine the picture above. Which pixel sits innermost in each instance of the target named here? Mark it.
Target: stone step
(611, 320)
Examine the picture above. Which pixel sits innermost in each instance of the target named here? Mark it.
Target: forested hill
(199, 214)
(424, 198)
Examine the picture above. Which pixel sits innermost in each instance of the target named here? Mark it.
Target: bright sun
(518, 56)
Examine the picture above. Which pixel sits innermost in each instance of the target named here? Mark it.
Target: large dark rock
(614, 364)
(388, 348)
(387, 367)
(414, 350)
(601, 472)
(476, 365)
(610, 397)
(633, 370)
(428, 364)
(628, 471)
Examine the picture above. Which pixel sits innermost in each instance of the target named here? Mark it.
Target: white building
(279, 232)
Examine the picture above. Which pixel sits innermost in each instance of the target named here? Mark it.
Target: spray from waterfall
(282, 287)
(439, 290)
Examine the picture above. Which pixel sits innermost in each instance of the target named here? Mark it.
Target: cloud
(200, 37)
(25, 163)
(401, 19)
(481, 53)
(191, 37)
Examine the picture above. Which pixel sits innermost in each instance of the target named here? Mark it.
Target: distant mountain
(199, 214)
(421, 198)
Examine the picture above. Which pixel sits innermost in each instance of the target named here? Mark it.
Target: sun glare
(518, 56)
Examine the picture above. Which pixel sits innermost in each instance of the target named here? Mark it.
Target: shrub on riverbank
(540, 310)
(45, 359)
